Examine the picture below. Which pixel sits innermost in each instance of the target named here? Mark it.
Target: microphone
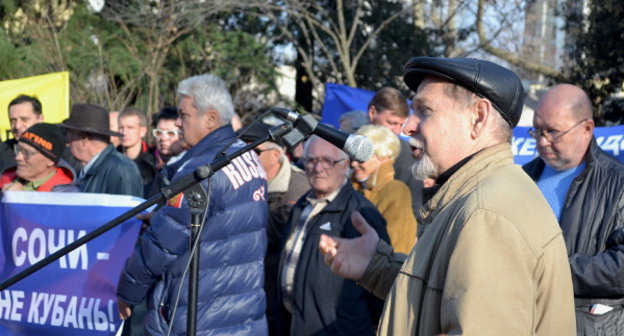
(358, 147)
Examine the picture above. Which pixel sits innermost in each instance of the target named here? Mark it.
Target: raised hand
(349, 258)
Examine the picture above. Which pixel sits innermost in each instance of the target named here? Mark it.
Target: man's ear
(371, 112)
(480, 115)
(211, 119)
(142, 131)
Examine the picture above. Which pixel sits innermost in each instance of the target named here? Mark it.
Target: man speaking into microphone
(232, 243)
(493, 260)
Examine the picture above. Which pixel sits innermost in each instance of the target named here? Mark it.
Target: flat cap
(501, 86)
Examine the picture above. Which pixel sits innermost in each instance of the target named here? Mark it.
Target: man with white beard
(493, 260)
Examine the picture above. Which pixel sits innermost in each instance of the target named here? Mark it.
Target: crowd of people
(439, 234)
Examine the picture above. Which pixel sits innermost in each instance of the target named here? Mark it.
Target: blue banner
(74, 295)
(610, 139)
(340, 99)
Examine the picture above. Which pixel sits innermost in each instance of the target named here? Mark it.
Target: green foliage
(108, 63)
(382, 65)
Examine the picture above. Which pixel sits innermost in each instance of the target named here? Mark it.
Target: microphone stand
(201, 173)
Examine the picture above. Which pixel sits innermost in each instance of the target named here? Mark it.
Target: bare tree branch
(486, 44)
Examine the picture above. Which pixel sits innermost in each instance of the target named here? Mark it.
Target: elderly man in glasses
(319, 301)
(585, 188)
(39, 166)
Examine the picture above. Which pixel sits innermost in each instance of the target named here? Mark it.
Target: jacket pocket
(607, 324)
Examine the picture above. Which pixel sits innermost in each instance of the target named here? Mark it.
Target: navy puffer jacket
(231, 298)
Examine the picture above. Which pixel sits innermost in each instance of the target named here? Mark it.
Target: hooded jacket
(62, 180)
(231, 299)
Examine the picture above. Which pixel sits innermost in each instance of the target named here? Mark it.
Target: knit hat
(47, 139)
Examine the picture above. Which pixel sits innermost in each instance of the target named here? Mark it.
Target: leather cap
(89, 118)
(501, 86)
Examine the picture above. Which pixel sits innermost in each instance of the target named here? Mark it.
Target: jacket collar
(466, 177)
(98, 162)
(280, 182)
(214, 141)
(379, 178)
(338, 203)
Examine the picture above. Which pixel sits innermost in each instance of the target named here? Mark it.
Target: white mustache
(417, 144)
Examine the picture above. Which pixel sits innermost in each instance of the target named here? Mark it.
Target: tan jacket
(493, 261)
(393, 199)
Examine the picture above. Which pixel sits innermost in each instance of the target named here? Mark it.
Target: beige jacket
(393, 199)
(493, 261)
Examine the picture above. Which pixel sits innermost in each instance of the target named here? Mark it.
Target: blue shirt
(554, 184)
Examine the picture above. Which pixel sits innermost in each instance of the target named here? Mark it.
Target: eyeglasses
(159, 133)
(552, 136)
(26, 153)
(258, 150)
(261, 150)
(326, 163)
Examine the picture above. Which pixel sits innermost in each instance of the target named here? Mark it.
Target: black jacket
(592, 221)
(112, 173)
(324, 303)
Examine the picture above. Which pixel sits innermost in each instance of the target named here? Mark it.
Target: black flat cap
(501, 86)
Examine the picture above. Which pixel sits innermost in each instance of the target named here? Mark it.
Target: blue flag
(340, 99)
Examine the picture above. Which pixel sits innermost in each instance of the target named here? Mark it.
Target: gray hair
(208, 92)
(467, 98)
(314, 138)
(358, 119)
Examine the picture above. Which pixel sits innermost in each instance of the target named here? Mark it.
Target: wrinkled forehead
(318, 147)
(430, 90)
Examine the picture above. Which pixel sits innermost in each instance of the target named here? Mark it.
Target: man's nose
(411, 125)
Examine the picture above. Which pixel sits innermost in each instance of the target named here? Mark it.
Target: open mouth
(417, 147)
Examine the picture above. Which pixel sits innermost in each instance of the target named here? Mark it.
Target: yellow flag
(51, 89)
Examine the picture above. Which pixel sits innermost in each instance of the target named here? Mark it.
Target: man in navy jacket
(233, 241)
(320, 302)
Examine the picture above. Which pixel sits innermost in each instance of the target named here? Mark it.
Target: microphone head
(359, 148)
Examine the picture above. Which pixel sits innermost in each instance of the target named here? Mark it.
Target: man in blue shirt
(584, 186)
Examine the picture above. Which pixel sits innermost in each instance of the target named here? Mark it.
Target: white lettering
(233, 176)
(70, 316)
(11, 302)
(79, 254)
(612, 144)
(101, 321)
(52, 247)
(242, 169)
(528, 147)
(252, 167)
(19, 235)
(38, 244)
(84, 312)
(37, 238)
(57, 311)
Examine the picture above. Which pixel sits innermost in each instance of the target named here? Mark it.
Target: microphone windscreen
(359, 148)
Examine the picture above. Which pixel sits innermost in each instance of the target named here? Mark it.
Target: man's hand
(124, 309)
(349, 258)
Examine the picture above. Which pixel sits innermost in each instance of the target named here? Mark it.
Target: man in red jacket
(38, 157)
